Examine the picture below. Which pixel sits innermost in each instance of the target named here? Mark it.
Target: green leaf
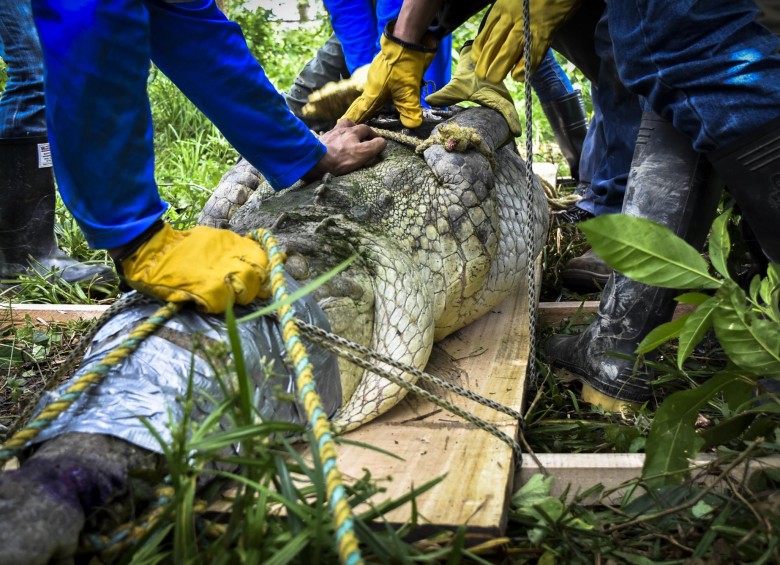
(752, 343)
(698, 323)
(673, 440)
(536, 489)
(701, 509)
(647, 252)
(727, 430)
(661, 334)
(720, 243)
(694, 298)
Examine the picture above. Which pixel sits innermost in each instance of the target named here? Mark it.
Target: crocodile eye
(297, 266)
(385, 200)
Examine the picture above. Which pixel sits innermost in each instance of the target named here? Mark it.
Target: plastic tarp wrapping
(154, 380)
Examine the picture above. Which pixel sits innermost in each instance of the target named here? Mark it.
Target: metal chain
(345, 348)
(529, 181)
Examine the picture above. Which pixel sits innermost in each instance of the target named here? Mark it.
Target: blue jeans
(609, 144)
(549, 81)
(22, 109)
(704, 65)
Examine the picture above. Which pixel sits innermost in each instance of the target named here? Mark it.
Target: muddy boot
(27, 202)
(750, 167)
(328, 65)
(45, 503)
(586, 274)
(569, 125)
(672, 185)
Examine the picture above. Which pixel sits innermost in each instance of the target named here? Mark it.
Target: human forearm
(414, 18)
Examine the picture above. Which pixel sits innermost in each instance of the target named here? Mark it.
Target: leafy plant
(747, 325)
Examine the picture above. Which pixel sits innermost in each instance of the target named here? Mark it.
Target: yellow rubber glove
(466, 86)
(498, 48)
(395, 73)
(204, 265)
(331, 101)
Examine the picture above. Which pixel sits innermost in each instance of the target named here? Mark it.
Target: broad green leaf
(720, 243)
(698, 323)
(673, 439)
(773, 274)
(661, 334)
(694, 298)
(752, 343)
(647, 252)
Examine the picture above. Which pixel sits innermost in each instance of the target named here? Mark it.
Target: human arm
(349, 147)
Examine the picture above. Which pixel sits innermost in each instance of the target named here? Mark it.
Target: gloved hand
(201, 264)
(396, 72)
(498, 47)
(331, 101)
(466, 86)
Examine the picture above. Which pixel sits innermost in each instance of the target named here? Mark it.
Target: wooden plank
(578, 472)
(489, 357)
(49, 313)
(551, 313)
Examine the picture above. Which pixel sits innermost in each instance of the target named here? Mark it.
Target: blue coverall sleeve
(98, 115)
(207, 58)
(97, 57)
(354, 23)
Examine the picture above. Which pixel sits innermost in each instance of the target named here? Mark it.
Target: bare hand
(350, 146)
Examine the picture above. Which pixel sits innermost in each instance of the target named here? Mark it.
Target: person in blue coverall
(358, 24)
(357, 29)
(97, 57)
(27, 191)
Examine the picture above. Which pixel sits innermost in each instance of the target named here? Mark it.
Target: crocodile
(438, 240)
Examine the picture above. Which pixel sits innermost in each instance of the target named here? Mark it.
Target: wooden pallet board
(488, 357)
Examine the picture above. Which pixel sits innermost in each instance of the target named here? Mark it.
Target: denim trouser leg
(617, 113)
(22, 110)
(549, 81)
(704, 65)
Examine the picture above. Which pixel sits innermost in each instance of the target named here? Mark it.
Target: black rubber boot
(750, 167)
(27, 202)
(569, 125)
(328, 65)
(674, 186)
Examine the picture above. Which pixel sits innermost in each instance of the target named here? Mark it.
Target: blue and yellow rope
(348, 547)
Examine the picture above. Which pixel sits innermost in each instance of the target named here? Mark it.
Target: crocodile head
(439, 240)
